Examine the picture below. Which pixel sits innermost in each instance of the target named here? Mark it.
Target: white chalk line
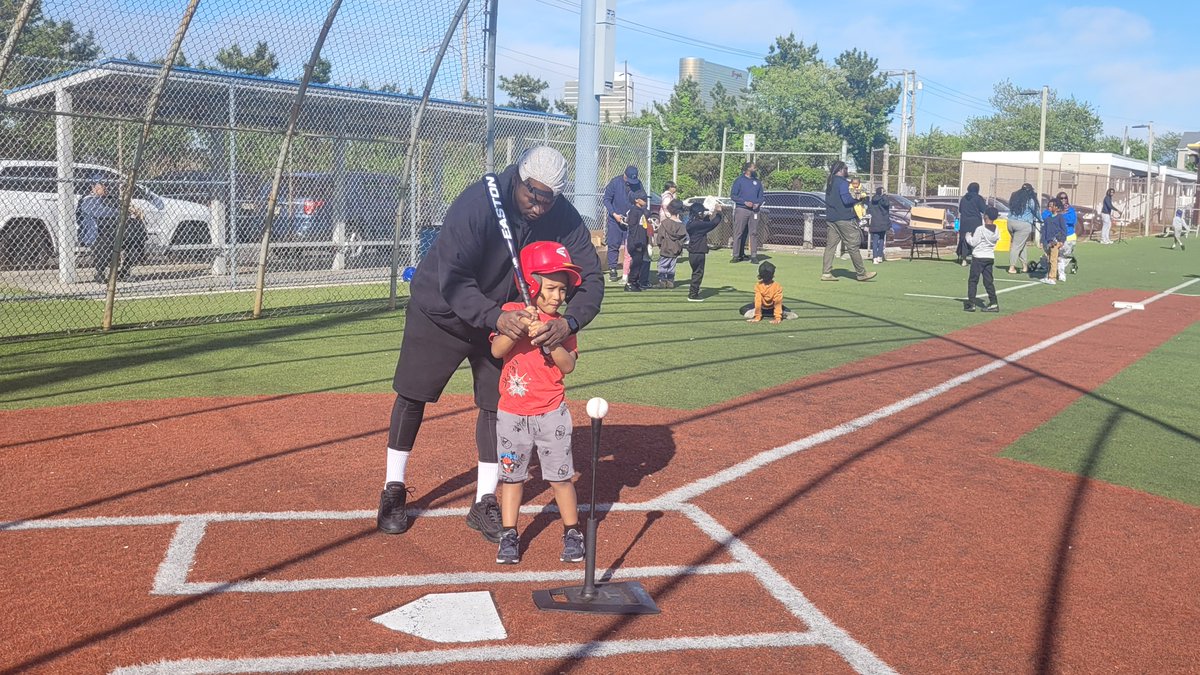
(173, 570)
(1027, 284)
(498, 652)
(703, 485)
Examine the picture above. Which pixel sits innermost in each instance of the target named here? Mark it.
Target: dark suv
(308, 207)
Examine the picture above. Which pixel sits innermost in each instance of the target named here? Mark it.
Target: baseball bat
(493, 190)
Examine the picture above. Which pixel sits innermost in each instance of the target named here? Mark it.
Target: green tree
(260, 62)
(1071, 125)
(789, 52)
(565, 108)
(525, 92)
(864, 122)
(322, 71)
(44, 38)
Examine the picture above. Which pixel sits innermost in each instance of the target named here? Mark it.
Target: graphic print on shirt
(518, 384)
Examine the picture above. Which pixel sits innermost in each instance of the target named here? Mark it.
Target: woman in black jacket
(970, 216)
(878, 210)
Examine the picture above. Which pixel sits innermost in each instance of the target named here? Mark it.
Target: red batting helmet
(547, 257)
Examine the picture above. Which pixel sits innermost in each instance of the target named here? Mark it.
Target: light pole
(1148, 126)
(1041, 134)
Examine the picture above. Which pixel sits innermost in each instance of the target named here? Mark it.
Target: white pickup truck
(29, 213)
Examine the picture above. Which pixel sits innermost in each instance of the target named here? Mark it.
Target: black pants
(981, 267)
(637, 260)
(768, 312)
(133, 247)
(696, 260)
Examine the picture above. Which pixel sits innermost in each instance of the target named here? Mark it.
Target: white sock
(488, 477)
(396, 463)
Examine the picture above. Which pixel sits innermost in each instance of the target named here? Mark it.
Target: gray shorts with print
(519, 435)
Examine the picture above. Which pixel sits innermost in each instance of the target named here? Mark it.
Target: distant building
(614, 107)
(1085, 177)
(708, 75)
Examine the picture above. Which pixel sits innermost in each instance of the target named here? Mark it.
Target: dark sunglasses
(547, 197)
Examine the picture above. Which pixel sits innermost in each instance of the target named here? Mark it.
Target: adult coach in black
(454, 304)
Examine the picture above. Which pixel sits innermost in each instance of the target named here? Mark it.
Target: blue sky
(1134, 62)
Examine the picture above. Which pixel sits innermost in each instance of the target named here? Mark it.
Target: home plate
(448, 617)
(1128, 305)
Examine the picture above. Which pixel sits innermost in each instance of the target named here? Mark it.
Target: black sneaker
(968, 307)
(992, 308)
(633, 289)
(572, 546)
(485, 517)
(509, 551)
(612, 275)
(393, 517)
(695, 298)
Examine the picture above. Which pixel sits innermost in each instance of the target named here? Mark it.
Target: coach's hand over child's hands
(514, 323)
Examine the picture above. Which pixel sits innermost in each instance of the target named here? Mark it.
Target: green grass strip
(1140, 429)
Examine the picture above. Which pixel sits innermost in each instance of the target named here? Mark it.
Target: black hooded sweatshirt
(468, 274)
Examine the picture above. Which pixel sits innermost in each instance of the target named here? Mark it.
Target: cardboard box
(927, 218)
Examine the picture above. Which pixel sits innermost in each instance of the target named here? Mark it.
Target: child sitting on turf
(768, 297)
(532, 415)
(983, 255)
(670, 243)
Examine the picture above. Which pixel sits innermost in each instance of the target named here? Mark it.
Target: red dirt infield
(241, 533)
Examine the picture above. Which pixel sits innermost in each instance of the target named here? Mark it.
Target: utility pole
(908, 104)
(1148, 126)
(1045, 92)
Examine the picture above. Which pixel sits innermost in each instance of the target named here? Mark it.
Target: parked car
(307, 210)
(794, 218)
(202, 187)
(29, 212)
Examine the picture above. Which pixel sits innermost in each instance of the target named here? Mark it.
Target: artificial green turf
(1140, 429)
(652, 348)
(656, 348)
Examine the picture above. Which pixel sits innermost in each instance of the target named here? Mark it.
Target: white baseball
(597, 408)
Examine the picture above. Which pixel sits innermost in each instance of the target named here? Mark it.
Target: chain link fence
(942, 180)
(289, 162)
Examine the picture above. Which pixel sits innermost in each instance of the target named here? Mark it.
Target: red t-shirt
(530, 382)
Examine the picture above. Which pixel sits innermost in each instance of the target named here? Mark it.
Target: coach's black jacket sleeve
(468, 274)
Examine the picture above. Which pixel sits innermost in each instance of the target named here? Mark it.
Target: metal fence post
(14, 33)
(131, 180)
(284, 148)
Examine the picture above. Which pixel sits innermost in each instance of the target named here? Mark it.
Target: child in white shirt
(983, 255)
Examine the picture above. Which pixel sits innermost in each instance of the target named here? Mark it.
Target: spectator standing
(703, 218)
(970, 216)
(1106, 213)
(1178, 227)
(1054, 235)
(670, 238)
(1070, 217)
(843, 225)
(879, 211)
(616, 205)
(669, 194)
(747, 196)
(1022, 214)
(983, 253)
(637, 241)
